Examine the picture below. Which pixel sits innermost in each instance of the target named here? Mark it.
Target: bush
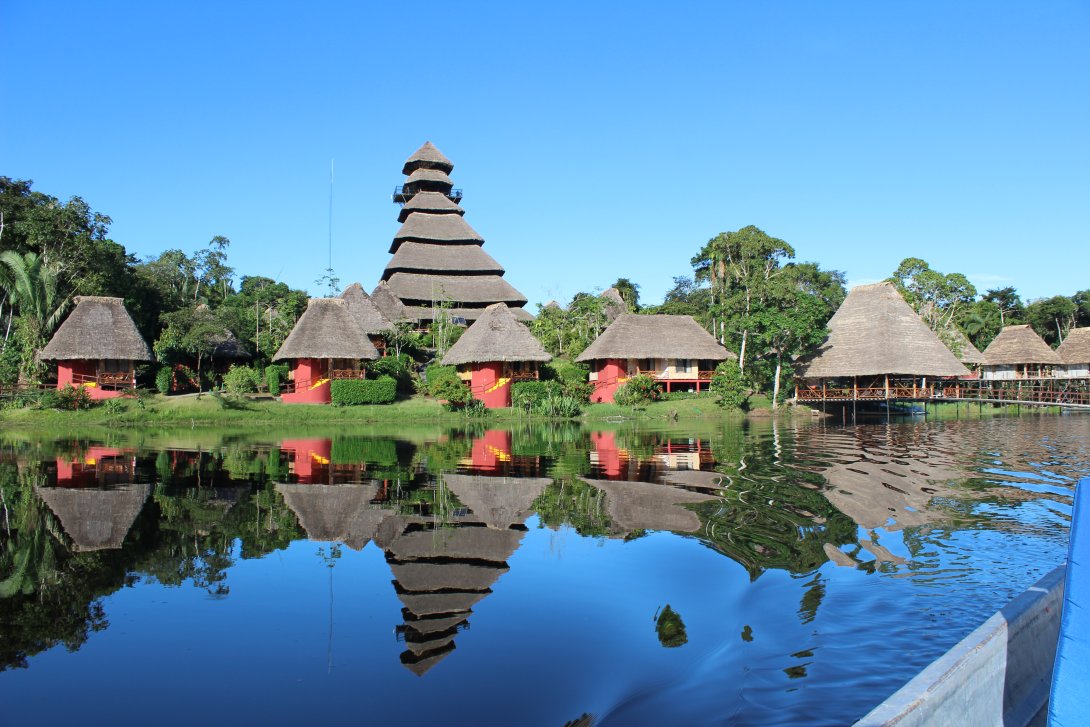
(528, 395)
(114, 407)
(560, 405)
(348, 392)
(399, 368)
(573, 377)
(164, 377)
(436, 377)
(453, 390)
(638, 391)
(274, 374)
(71, 398)
(241, 380)
(682, 395)
(729, 386)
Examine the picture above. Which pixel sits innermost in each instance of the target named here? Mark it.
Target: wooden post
(855, 388)
(823, 389)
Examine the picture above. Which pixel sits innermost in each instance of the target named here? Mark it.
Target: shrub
(71, 398)
(164, 377)
(272, 380)
(114, 407)
(729, 386)
(638, 391)
(453, 390)
(398, 368)
(348, 392)
(560, 405)
(241, 380)
(437, 376)
(528, 395)
(573, 377)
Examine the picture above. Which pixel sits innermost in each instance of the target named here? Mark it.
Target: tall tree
(1008, 303)
(32, 289)
(936, 297)
(630, 293)
(1052, 317)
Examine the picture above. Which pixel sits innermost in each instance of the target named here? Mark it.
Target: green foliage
(638, 391)
(114, 407)
(347, 392)
(164, 377)
(452, 390)
(72, 398)
(241, 380)
(560, 405)
(398, 367)
(528, 395)
(438, 376)
(729, 387)
(10, 359)
(938, 298)
(358, 450)
(1052, 317)
(573, 377)
(670, 628)
(273, 376)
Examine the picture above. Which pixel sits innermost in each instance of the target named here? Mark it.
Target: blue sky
(592, 142)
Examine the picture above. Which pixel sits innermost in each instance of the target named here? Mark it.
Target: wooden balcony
(347, 374)
(112, 379)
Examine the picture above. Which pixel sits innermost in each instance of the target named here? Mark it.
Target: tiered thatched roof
(427, 157)
(970, 354)
(659, 336)
(650, 506)
(876, 332)
(368, 316)
(96, 519)
(1075, 349)
(1019, 345)
(437, 255)
(428, 313)
(388, 303)
(326, 330)
(98, 328)
(496, 336)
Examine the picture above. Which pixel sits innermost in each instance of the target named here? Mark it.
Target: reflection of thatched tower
(442, 572)
(96, 519)
(649, 506)
(437, 256)
(336, 513)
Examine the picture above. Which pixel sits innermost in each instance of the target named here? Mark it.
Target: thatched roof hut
(658, 336)
(483, 290)
(1075, 348)
(427, 157)
(335, 513)
(1019, 345)
(496, 336)
(875, 332)
(969, 354)
(96, 519)
(368, 316)
(417, 257)
(650, 506)
(326, 330)
(436, 230)
(98, 328)
(435, 203)
(498, 502)
(388, 304)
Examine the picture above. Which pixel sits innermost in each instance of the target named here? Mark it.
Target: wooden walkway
(1065, 393)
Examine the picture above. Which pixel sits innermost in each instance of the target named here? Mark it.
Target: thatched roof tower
(875, 332)
(437, 256)
(658, 336)
(1019, 345)
(98, 328)
(388, 304)
(496, 336)
(1075, 349)
(96, 519)
(368, 316)
(326, 330)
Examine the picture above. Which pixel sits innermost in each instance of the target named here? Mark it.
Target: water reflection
(447, 511)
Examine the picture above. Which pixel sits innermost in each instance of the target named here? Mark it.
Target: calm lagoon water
(752, 573)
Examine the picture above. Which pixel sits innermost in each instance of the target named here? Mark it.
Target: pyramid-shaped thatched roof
(423, 604)
(1075, 349)
(419, 576)
(326, 330)
(436, 229)
(421, 289)
(388, 303)
(335, 513)
(614, 304)
(1019, 345)
(416, 257)
(498, 502)
(496, 336)
(467, 543)
(658, 336)
(368, 317)
(429, 180)
(428, 313)
(650, 506)
(98, 328)
(427, 157)
(96, 519)
(970, 354)
(876, 332)
(435, 203)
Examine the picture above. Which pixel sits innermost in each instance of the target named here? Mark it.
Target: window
(682, 366)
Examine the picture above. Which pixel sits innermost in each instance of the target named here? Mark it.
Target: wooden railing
(525, 376)
(1078, 395)
(676, 375)
(347, 374)
(123, 379)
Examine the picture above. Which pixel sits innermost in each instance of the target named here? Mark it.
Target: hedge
(530, 394)
(346, 392)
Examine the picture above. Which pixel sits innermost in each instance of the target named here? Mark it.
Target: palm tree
(31, 286)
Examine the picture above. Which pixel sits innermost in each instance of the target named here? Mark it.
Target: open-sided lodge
(878, 348)
(494, 352)
(674, 350)
(326, 343)
(1074, 352)
(97, 348)
(438, 259)
(1019, 353)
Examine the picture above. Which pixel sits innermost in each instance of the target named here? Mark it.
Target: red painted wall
(609, 457)
(311, 459)
(68, 370)
(483, 385)
(609, 380)
(307, 372)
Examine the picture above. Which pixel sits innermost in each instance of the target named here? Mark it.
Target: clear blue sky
(592, 142)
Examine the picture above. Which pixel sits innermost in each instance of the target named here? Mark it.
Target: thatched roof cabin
(99, 328)
(875, 332)
(435, 203)
(1075, 348)
(427, 157)
(427, 312)
(633, 336)
(96, 519)
(650, 506)
(498, 502)
(326, 330)
(336, 513)
(1019, 345)
(368, 316)
(497, 335)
